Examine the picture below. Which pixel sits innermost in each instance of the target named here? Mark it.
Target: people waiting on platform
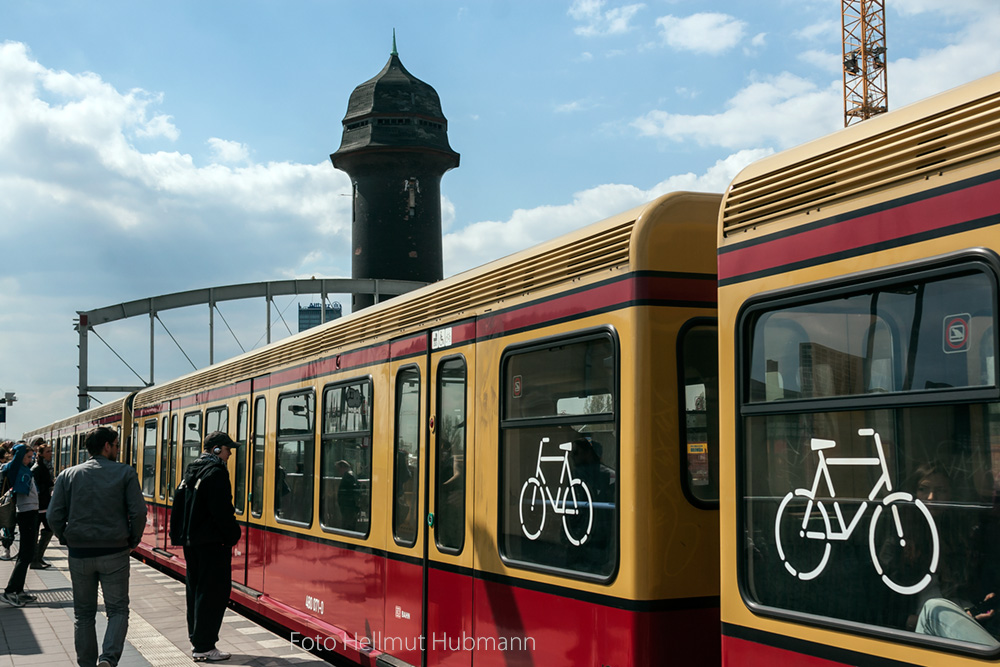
(17, 473)
(44, 479)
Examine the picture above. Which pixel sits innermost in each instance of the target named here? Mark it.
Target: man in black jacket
(203, 521)
(42, 472)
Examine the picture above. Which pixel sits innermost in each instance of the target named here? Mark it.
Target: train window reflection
(148, 462)
(240, 488)
(191, 439)
(346, 457)
(293, 474)
(406, 457)
(559, 456)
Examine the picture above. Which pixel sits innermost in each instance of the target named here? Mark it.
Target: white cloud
(481, 242)
(228, 152)
(710, 33)
(826, 31)
(795, 108)
(597, 22)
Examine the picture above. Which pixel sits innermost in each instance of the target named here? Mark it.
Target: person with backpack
(203, 522)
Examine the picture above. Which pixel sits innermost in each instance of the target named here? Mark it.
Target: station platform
(41, 632)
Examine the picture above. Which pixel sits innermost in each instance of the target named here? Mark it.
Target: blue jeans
(112, 573)
(944, 618)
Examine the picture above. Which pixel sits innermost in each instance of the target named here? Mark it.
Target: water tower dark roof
(394, 109)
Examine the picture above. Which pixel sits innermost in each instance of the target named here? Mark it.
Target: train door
(404, 577)
(448, 603)
(239, 464)
(254, 552)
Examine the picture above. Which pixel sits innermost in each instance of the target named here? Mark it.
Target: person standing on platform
(18, 474)
(203, 521)
(98, 511)
(42, 472)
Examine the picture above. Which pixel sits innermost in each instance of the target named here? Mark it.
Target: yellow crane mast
(865, 91)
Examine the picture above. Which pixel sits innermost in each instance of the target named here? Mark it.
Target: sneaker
(215, 655)
(26, 597)
(12, 599)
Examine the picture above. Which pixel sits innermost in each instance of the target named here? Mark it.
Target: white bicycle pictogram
(891, 501)
(572, 498)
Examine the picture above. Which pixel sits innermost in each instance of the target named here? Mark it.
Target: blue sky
(148, 148)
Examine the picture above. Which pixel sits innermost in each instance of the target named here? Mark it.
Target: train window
(164, 458)
(698, 362)
(406, 457)
(147, 467)
(346, 457)
(172, 459)
(65, 453)
(293, 475)
(217, 419)
(79, 441)
(191, 440)
(240, 490)
(559, 456)
(449, 488)
(257, 473)
(870, 455)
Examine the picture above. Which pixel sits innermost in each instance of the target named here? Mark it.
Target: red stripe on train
(895, 223)
(743, 653)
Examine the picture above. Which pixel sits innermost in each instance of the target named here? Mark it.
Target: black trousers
(209, 584)
(27, 527)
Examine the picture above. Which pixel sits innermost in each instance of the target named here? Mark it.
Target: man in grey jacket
(98, 511)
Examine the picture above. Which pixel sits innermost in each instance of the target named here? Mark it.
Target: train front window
(871, 454)
(699, 367)
(559, 456)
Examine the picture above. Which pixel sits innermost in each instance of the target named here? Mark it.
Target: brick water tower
(395, 149)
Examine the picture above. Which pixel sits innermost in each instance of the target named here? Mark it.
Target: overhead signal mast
(865, 91)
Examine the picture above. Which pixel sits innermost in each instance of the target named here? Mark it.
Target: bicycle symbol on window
(892, 501)
(572, 498)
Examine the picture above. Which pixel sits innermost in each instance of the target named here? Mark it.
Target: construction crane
(865, 91)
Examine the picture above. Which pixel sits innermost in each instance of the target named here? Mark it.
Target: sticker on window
(956, 333)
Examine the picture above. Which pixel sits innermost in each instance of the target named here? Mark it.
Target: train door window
(172, 459)
(164, 458)
(293, 475)
(240, 490)
(406, 457)
(65, 452)
(217, 419)
(79, 441)
(257, 473)
(346, 457)
(147, 465)
(868, 481)
(559, 456)
(191, 440)
(449, 488)
(699, 366)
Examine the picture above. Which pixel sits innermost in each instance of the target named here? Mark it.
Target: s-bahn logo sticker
(956, 333)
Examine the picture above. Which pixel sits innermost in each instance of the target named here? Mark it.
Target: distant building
(312, 315)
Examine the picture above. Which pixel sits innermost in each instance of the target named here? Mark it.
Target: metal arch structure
(866, 92)
(88, 319)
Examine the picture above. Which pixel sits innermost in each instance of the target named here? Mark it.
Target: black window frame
(439, 500)
(606, 332)
(310, 459)
(979, 260)
(365, 379)
(416, 474)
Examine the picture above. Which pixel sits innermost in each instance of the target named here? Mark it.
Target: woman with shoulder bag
(18, 474)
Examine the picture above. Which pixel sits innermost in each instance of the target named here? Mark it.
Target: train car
(66, 436)
(858, 283)
(514, 466)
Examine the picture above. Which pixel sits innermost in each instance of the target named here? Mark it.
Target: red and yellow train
(778, 409)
